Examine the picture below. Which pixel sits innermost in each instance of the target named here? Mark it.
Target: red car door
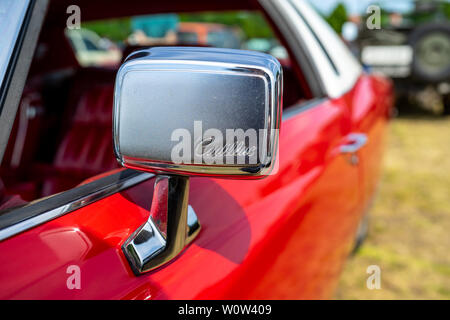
(371, 100)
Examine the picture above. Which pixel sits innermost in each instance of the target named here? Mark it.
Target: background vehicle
(66, 203)
(207, 34)
(413, 48)
(91, 50)
(272, 47)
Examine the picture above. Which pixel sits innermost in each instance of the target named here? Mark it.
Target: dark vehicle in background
(412, 48)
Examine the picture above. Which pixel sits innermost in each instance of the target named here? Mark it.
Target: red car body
(283, 237)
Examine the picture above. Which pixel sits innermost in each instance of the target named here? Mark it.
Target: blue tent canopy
(155, 26)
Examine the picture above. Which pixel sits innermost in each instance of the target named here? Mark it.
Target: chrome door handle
(356, 142)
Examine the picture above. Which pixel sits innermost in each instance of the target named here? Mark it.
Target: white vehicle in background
(270, 46)
(92, 50)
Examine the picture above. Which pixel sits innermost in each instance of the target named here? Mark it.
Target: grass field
(409, 232)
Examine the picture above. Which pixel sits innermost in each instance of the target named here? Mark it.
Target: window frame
(348, 67)
(19, 62)
(297, 46)
(11, 36)
(337, 67)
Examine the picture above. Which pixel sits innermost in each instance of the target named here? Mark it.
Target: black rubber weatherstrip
(33, 209)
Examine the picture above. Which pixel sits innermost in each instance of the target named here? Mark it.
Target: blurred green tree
(114, 29)
(252, 24)
(337, 17)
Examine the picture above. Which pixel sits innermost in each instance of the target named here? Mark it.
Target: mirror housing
(192, 111)
(198, 111)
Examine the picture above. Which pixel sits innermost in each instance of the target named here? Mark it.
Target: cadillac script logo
(236, 146)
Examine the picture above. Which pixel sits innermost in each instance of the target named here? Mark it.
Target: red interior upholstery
(9, 201)
(86, 146)
(22, 145)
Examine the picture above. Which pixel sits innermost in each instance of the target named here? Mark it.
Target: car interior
(62, 134)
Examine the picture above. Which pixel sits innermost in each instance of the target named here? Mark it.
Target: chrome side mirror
(193, 111)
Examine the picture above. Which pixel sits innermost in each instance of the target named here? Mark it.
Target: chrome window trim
(318, 58)
(316, 37)
(275, 9)
(302, 107)
(86, 199)
(348, 68)
(10, 36)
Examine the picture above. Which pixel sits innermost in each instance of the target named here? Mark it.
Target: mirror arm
(172, 225)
